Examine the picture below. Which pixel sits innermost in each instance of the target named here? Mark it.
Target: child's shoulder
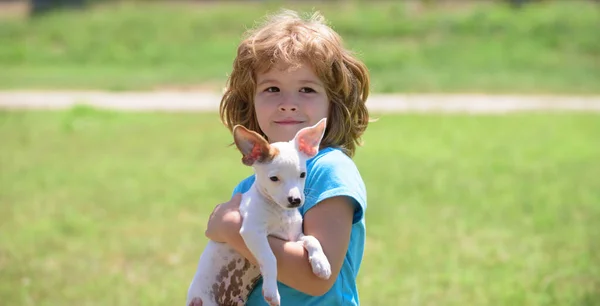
(332, 159)
(333, 173)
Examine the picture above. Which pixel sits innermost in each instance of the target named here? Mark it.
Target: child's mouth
(288, 122)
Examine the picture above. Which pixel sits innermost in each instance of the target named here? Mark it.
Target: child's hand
(225, 220)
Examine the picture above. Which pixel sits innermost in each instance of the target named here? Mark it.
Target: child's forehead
(282, 66)
(303, 76)
(300, 67)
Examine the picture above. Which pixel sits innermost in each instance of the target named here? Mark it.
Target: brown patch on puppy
(229, 293)
(273, 152)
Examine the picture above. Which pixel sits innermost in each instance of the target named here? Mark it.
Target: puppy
(269, 207)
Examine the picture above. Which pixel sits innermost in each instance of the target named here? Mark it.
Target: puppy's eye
(303, 175)
(274, 178)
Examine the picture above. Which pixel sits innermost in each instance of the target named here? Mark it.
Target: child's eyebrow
(265, 81)
(311, 82)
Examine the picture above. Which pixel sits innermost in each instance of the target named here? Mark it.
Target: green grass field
(103, 208)
(548, 47)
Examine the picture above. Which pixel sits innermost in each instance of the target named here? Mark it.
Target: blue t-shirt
(330, 173)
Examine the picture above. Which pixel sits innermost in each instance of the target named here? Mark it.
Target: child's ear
(308, 139)
(253, 146)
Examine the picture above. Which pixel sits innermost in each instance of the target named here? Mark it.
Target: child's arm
(330, 222)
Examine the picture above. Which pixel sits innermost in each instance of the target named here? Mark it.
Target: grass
(106, 208)
(546, 47)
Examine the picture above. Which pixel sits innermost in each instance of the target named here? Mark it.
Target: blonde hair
(291, 40)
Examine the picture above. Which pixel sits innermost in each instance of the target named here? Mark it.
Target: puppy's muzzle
(294, 202)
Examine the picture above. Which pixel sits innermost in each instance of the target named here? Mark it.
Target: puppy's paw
(196, 302)
(320, 265)
(272, 297)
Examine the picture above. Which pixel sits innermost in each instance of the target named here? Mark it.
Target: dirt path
(175, 101)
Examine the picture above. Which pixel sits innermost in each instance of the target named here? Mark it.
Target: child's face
(287, 101)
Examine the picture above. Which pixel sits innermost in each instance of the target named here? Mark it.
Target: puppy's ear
(308, 139)
(252, 145)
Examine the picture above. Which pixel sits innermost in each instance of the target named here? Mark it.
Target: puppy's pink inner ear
(308, 149)
(254, 155)
(256, 152)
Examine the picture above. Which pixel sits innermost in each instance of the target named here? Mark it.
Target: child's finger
(236, 199)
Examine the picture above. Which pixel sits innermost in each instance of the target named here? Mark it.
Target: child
(288, 74)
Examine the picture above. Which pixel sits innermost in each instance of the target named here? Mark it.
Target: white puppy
(269, 207)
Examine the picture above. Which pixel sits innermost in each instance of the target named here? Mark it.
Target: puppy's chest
(287, 225)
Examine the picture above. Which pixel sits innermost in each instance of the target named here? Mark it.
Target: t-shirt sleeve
(243, 186)
(335, 174)
(237, 189)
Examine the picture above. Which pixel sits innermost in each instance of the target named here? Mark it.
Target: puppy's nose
(294, 201)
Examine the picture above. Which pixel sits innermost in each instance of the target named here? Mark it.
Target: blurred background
(104, 207)
(496, 46)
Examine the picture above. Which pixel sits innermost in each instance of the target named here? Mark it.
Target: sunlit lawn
(102, 208)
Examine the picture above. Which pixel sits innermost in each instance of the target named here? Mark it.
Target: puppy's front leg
(318, 261)
(256, 240)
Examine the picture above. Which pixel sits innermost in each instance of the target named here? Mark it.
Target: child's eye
(272, 89)
(306, 90)
(274, 178)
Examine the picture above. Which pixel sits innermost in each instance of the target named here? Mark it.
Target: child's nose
(284, 108)
(288, 103)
